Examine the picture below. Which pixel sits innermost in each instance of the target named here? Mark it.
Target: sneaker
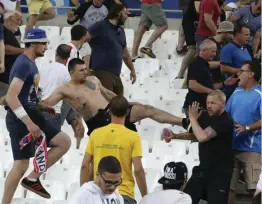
(148, 51)
(135, 58)
(36, 187)
(182, 51)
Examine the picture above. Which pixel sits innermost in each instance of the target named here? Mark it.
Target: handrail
(130, 9)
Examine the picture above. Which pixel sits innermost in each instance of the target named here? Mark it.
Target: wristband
(20, 112)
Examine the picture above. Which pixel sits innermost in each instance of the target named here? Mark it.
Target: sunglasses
(110, 183)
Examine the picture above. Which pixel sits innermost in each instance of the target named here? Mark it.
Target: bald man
(213, 130)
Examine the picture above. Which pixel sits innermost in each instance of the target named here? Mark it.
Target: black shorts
(17, 130)
(213, 188)
(189, 31)
(102, 118)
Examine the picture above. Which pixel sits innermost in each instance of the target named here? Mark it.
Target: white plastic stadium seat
(175, 148)
(66, 31)
(144, 94)
(156, 84)
(50, 31)
(6, 156)
(58, 40)
(156, 161)
(177, 83)
(72, 189)
(66, 174)
(73, 157)
(2, 171)
(60, 202)
(19, 193)
(83, 144)
(147, 65)
(145, 148)
(193, 150)
(55, 188)
(27, 201)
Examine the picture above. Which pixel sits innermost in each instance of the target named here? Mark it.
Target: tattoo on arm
(210, 132)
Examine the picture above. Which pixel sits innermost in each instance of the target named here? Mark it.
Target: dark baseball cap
(174, 173)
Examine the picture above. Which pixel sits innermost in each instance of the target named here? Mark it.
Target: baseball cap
(174, 172)
(225, 27)
(35, 35)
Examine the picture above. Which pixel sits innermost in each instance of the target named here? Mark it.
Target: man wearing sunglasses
(104, 189)
(244, 106)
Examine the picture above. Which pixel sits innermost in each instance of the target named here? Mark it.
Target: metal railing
(130, 9)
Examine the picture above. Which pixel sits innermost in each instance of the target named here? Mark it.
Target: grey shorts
(3, 89)
(56, 120)
(152, 14)
(128, 200)
(67, 113)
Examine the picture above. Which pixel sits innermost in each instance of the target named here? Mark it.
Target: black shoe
(135, 58)
(36, 187)
(182, 51)
(148, 51)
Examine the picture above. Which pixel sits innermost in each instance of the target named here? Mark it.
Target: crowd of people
(222, 71)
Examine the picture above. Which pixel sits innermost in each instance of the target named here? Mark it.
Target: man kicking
(91, 100)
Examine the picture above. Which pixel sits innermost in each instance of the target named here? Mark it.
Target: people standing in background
(104, 189)
(224, 35)
(232, 5)
(189, 27)
(152, 13)
(173, 183)
(108, 42)
(2, 46)
(12, 49)
(88, 13)
(244, 106)
(233, 55)
(250, 16)
(39, 11)
(53, 76)
(209, 13)
(120, 142)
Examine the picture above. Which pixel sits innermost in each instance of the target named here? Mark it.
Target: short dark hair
(119, 106)
(63, 51)
(109, 164)
(73, 62)
(255, 66)
(238, 28)
(115, 11)
(2, 5)
(77, 32)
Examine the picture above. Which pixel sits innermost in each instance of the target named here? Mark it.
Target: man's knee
(20, 167)
(33, 19)
(142, 29)
(51, 12)
(62, 140)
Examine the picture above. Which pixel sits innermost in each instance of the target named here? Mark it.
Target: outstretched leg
(140, 112)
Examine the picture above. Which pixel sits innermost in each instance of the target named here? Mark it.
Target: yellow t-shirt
(118, 141)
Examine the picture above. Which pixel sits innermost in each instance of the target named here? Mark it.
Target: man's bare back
(86, 98)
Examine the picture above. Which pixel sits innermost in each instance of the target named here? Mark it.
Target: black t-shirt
(107, 43)
(198, 70)
(217, 152)
(9, 39)
(216, 73)
(191, 13)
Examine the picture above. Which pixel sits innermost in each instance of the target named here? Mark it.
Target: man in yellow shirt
(118, 141)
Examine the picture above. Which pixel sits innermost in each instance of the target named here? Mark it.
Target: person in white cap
(173, 181)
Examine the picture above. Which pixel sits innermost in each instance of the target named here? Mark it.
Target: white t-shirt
(10, 5)
(167, 197)
(91, 193)
(51, 77)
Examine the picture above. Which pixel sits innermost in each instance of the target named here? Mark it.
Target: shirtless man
(91, 100)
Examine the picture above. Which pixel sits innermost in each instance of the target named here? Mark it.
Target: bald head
(221, 97)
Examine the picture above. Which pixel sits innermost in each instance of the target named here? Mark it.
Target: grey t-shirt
(246, 17)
